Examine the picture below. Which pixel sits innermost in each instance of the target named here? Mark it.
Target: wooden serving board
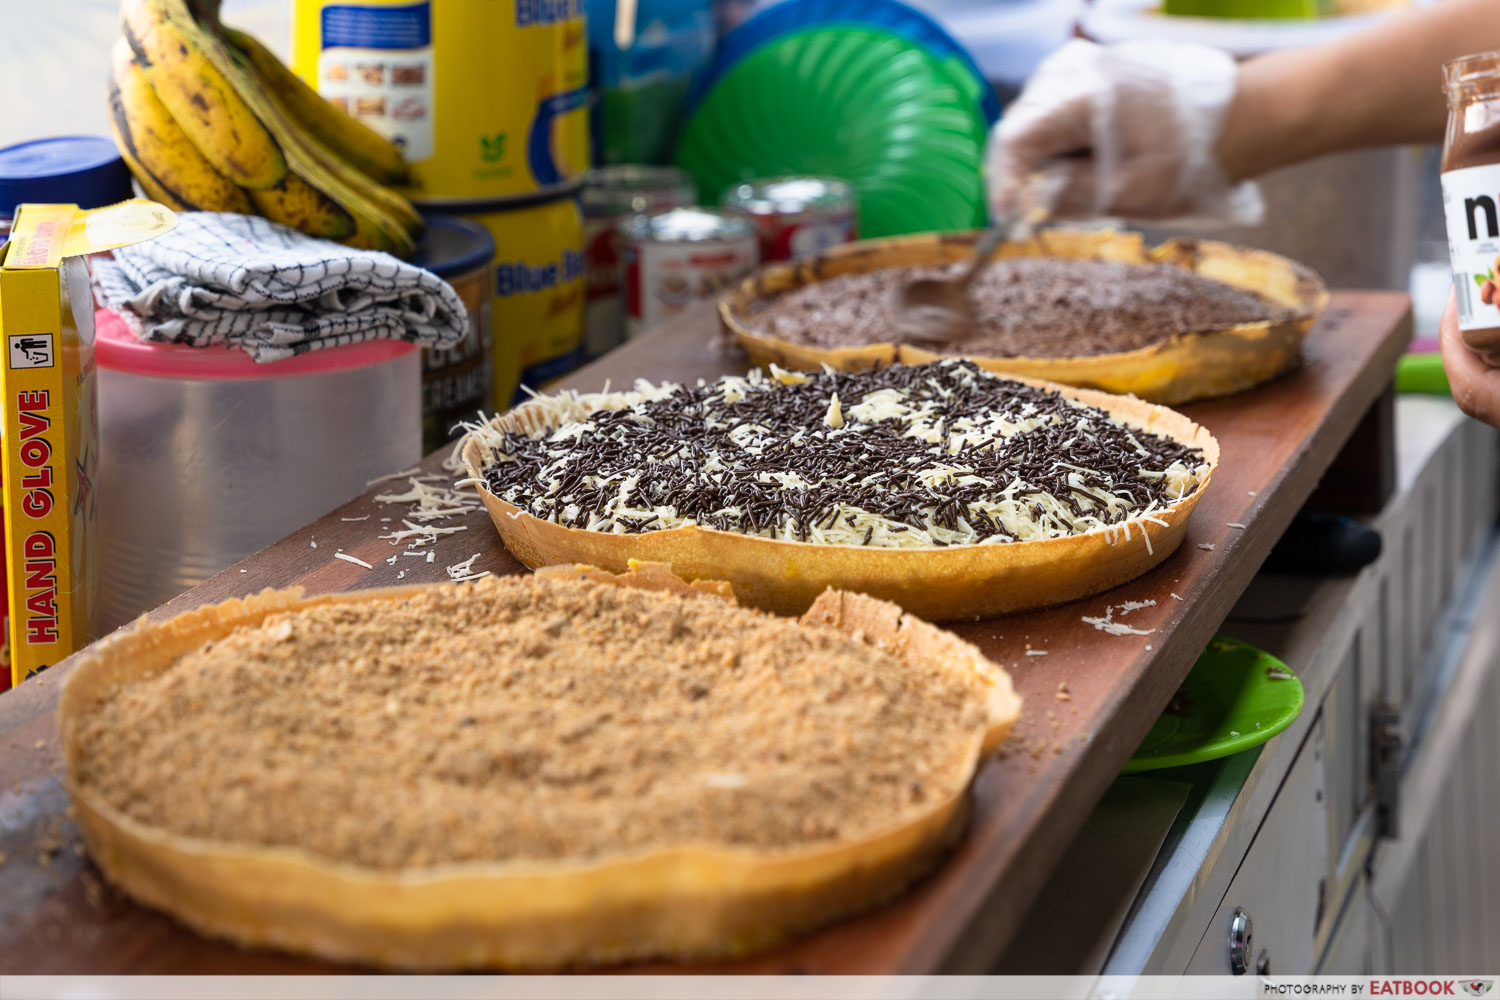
(1088, 700)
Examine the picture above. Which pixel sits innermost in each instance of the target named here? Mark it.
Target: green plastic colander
(904, 126)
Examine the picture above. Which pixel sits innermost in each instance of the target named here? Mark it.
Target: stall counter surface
(1090, 695)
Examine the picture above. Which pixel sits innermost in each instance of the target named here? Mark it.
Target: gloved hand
(1135, 124)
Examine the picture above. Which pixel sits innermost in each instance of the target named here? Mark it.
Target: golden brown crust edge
(680, 902)
(938, 584)
(1188, 367)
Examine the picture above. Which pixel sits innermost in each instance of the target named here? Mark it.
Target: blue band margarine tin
(488, 99)
(458, 381)
(536, 291)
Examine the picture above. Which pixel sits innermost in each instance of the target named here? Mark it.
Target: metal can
(611, 194)
(487, 98)
(796, 216)
(536, 284)
(459, 381)
(675, 258)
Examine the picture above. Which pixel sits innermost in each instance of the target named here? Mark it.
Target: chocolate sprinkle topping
(906, 456)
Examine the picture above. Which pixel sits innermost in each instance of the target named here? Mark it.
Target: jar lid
(119, 350)
(687, 225)
(636, 187)
(451, 247)
(82, 170)
(790, 195)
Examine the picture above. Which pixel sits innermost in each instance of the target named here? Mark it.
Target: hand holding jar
(1471, 191)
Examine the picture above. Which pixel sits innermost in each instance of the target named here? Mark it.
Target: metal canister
(458, 382)
(675, 258)
(536, 291)
(487, 98)
(611, 194)
(797, 216)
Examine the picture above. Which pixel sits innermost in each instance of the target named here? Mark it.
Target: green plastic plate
(1235, 698)
(902, 126)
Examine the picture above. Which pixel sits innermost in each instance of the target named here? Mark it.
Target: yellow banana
(167, 164)
(332, 168)
(389, 202)
(325, 186)
(296, 203)
(169, 47)
(149, 185)
(383, 219)
(365, 149)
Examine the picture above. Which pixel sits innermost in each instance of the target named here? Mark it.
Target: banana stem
(206, 13)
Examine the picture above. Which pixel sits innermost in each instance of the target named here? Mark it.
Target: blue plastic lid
(82, 170)
(452, 247)
(799, 15)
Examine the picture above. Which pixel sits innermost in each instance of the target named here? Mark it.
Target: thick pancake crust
(939, 584)
(676, 901)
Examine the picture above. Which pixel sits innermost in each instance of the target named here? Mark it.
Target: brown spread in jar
(1471, 196)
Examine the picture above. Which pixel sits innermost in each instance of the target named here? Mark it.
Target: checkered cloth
(241, 280)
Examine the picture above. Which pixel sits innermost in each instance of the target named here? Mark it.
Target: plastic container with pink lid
(207, 456)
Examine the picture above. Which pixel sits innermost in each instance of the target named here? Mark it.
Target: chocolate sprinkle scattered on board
(904, 456)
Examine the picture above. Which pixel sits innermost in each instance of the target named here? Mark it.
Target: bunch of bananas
(209, 120)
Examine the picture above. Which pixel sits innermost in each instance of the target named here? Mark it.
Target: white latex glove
(1136, 124)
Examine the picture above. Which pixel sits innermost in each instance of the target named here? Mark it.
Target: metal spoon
(940, 310)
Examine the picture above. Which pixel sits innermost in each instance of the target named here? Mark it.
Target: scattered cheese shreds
(1107, 623)
(461, 571)
(1206, 546)
(1176, 596)
(365, 518)
(395, 475)
(348, 558)
(1036, 652)
(1235, 524)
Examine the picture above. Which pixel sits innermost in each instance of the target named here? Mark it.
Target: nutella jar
(1471, 195)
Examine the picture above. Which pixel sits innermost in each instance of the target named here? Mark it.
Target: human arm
(1379, 87)
(1163, 129)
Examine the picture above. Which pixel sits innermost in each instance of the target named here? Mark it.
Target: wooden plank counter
(57, 916)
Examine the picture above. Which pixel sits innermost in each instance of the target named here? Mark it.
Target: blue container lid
(82, 170)
(792, 16)
(452, 247)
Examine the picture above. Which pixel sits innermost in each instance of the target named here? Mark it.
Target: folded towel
(248, 282)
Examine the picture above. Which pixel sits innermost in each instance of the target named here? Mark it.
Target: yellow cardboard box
(51, 433)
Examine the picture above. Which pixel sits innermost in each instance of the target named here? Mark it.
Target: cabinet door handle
(1241, 942)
